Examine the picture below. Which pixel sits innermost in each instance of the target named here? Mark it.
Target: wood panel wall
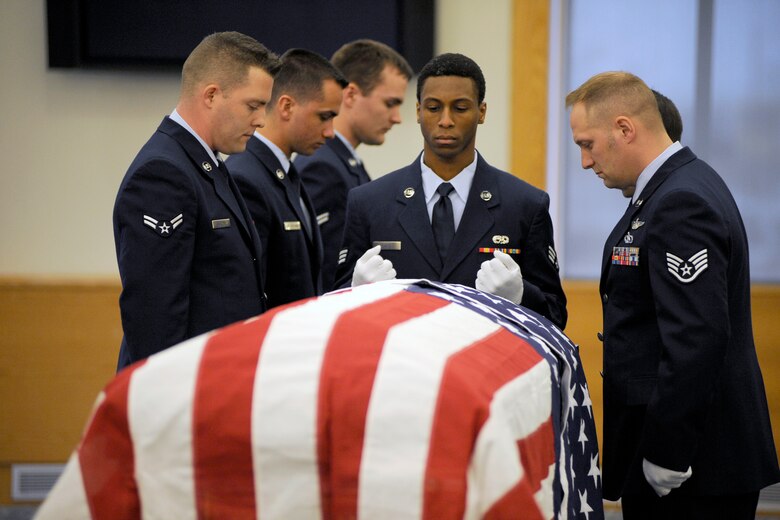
(528, 123)
(59, 341)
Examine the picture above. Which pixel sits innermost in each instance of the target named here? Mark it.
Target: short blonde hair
(224, 58)
(610, 94)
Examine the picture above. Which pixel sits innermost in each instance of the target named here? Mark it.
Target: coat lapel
(208, 169)
(680, 158)
(477, 218)
(271, 165)
(617, 233)
(413, 217)
(353, 167)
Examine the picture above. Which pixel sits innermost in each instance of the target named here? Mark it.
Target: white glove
(501, 276)
(663, 480)
(371, 267)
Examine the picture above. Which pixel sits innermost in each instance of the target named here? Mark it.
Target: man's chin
(238, 148)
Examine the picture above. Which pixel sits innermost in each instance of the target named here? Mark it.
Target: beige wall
(67, 136)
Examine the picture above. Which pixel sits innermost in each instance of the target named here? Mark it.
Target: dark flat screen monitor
(127, 33)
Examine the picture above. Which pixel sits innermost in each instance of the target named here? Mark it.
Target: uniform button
(600, 336)
(604, 298)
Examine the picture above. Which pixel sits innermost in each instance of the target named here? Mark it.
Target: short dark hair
(362, 63)
(224, 58)
(669, 115)
(451, 64)
(302, 74)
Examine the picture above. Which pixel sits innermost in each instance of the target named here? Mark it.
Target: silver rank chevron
(163, 228)
(687, 270)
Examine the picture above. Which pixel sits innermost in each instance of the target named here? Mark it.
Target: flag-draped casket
(400, 399)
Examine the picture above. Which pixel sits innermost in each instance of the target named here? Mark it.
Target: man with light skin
(450, 216)
(306, 97)
(187, 251)
(686, 425)
(378, 77)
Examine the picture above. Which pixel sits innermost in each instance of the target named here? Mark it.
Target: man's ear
(208, 94)
(284, 106)
(626, 127)
(482, 112)
(417, 111)
(350, 94)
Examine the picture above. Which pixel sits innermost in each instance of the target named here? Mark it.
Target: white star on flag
(583, 438)
(584, 506)
(594, 469)
(574, 404)
(586, 399)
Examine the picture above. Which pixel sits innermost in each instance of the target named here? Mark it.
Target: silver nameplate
(388, 245)
(220, 223)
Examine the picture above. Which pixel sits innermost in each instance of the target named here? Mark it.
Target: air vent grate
(769, 499)
(33, 481)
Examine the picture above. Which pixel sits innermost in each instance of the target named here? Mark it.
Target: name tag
(220, 223)
(625, 256)
(388, 245)
(292, 225)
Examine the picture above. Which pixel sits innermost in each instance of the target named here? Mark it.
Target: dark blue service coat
(293, 256)
(501, 211)
(188, 254)
(682, 385)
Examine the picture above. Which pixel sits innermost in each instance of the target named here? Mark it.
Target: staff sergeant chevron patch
(687, 270)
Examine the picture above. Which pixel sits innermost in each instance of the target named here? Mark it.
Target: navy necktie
(443, 221)
(224, 181)
(295, 181)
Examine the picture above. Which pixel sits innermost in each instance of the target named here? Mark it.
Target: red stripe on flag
(106, 455)
(222, 418)
(471, 378)
(537, 454)
(347, 377)
(517, 503)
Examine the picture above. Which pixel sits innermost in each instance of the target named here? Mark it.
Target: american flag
(400, 399)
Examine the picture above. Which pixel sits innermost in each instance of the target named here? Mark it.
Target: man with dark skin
(450, 216)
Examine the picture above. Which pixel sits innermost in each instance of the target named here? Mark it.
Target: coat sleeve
(538, 262)
(328, 192)
(687, 260)
(154, 257)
